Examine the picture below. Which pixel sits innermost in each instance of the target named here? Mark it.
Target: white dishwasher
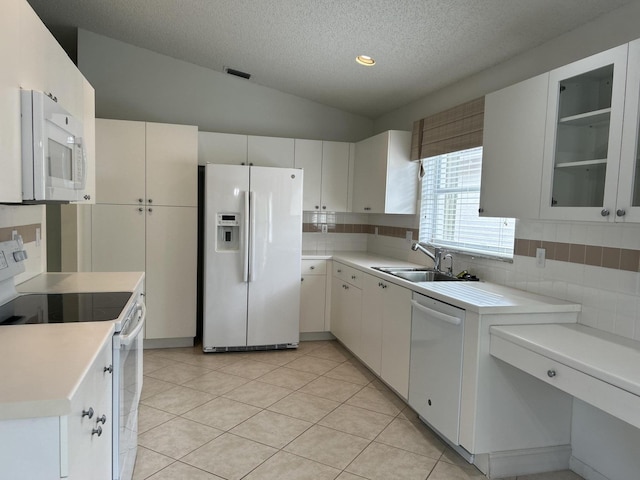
(435, 378)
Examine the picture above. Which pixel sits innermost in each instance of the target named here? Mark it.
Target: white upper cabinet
(120, 171)
(326, 174)
(270, 151)
(385, 180)
(586, 103)
(628, 200)
(222, 148)
(172, 176)
(513, 149)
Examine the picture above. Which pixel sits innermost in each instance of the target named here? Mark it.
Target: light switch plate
(540, 257)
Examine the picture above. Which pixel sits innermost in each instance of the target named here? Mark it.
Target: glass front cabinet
(591, 141)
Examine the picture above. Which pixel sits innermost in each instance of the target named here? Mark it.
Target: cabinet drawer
(348, 274)
(314, 267)
(609, 398)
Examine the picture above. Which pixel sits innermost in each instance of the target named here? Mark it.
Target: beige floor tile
(306, 347)
(382, 462)
(336, 390)
(305, 407)
(148, 463)
(356, 421)
(178, 373)
(285, 466)
(349, 476)
(216, 383)
(377, 400)
(414, 437)
(178, 437)
(149, 417)
(151, 363)
(271, 428)
(177, 400)
(212, 361)
(182, 471)
(331, 352)
(222, 413)
(229, 456)
(258, 394)
(349, 373)
(248, 368)
(451, 456)
(152, 386)
(327, 446)
(288, 378)
(561, 475)
(275, 357)
(448, 471)
(312, 365)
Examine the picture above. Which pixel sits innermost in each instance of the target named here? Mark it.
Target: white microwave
(53, 154)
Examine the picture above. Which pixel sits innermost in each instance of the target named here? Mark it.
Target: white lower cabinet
(77, 446)
(313, 294)
(346, 306)
(150, 239)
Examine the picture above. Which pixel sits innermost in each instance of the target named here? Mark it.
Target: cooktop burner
(63, 308)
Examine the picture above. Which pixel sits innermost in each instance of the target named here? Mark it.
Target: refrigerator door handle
(252, 248)
(245, 240)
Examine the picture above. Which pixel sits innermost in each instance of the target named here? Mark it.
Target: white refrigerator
(253, 248)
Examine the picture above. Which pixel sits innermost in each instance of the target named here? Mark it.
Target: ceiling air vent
(237, 73)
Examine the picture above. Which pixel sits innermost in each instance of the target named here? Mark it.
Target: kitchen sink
(417, 275)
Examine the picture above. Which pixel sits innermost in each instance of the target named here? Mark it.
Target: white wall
(132, 83)
(607, 31)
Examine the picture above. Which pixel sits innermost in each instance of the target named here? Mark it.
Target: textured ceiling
(307, 47)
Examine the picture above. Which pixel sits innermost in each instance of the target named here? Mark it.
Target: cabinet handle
(102, 419)
(481, 210)
(353, 277)
(150, 210)
(317, 207)
(87, 197)
(96, 431)
(108, 369)
(604, 212)
(150, 201)
(324, 207)
(621, 212)
(339, 271)
(551, 373)
(140, 200)
(312, 267)
(140, 209)
(367, 208)
(87, 413)
(384, 285)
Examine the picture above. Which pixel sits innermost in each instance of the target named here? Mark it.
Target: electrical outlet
(324, 228)
(14, 234)
(37, 237)
(540, 257)
(409, 235)
(375, 232)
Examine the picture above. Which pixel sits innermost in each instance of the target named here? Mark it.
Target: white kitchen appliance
(126, 309)
(54, 161)
(253, 243)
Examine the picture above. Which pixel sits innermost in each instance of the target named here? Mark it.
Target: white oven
(127, 387)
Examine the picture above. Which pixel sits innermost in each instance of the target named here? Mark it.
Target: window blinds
(455, 129)
(449, 207)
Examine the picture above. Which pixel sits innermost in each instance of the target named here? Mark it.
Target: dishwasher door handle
(435, 314)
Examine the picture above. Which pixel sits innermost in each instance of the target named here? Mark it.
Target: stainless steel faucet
(436, 256)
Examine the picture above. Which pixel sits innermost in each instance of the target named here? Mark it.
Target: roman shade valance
(458, 128)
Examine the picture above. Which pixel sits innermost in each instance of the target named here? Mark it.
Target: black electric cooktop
(63, 308)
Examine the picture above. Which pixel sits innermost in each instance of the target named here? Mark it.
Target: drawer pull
(88, 413)
(551, 373)
(108, 369)
(97, 431)
(312, 267)
(102, 419)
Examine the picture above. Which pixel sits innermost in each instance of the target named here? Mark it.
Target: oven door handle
(128, 339)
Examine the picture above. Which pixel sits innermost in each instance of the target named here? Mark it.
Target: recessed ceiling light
(365, 60)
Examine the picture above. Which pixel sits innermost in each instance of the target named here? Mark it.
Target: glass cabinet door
(582, 142)
(628, 202)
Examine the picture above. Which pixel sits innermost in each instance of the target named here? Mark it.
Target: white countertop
(44, 364)
(81, 282)
(480, 297)
(602, 355)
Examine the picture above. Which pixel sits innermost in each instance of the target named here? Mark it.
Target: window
(449, 208)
